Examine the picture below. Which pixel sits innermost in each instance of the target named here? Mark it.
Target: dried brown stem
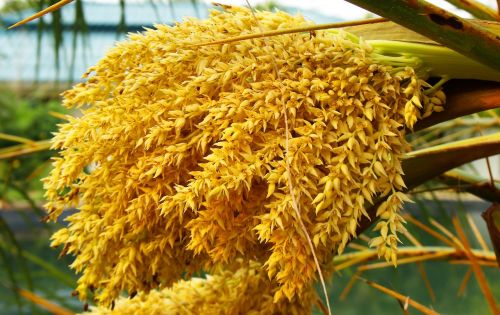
(476, 268)
(311, 28)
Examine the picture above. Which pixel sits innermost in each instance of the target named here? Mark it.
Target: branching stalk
(431, 60)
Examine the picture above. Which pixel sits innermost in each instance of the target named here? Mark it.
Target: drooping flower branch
(177, 161)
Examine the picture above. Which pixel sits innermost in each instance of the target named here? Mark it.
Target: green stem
(459, 34)
(431, 60)
(477, 9)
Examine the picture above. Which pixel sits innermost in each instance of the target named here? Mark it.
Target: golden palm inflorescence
(187, 148)
(243, 288)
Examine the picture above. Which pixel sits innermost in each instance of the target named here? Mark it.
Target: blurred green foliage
(10, 6)
(25, 261)
(28, 118)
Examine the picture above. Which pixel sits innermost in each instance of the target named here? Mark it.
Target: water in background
(20, 60)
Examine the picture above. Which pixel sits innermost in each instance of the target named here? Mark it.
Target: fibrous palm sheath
(178, 161)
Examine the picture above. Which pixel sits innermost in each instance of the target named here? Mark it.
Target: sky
(337, 8)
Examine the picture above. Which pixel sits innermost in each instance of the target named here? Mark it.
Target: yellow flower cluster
(244, 290)
(178, 161)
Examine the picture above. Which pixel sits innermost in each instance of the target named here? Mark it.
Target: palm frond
(477, 9)
(442, 26)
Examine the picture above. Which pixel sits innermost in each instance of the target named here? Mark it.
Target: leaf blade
(459, 34)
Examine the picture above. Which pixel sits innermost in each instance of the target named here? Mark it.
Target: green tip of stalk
(430, 60)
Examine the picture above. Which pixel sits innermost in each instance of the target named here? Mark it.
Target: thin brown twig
(23, 149)
(490, 173)
(321, 306)
(58, 115)
(407, 260)
(450, 187)
(41, 13)
(365, 238)
(412, 238)
(18, 139)
(465, 122)
(425, 278)
(492, 264)
(476, 232)
(430, 231)
(43, 303)
(38, 170)
(488, 164)
(305, 29)
(350, 285)
(478, 272)
(404, 306)
(445, 231)
(357, 246)
(464, 282)
(449, 137)
(476, 9)
(422, 308)
(485, 257)
(349, 263)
